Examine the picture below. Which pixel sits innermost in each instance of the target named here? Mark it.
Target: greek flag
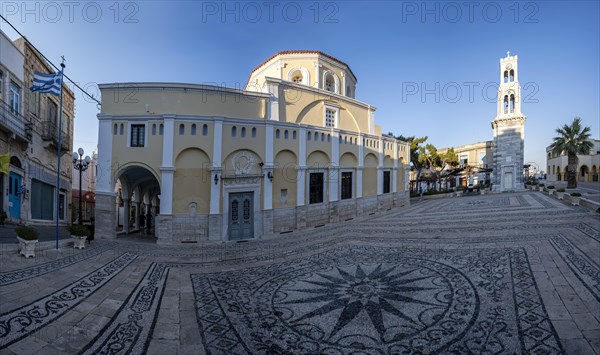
(50, 83)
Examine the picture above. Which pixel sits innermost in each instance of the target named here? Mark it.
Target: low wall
(179, 229)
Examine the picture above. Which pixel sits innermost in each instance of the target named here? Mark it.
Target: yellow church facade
(295, 149)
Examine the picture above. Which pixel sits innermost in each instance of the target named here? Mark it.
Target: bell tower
(509, 129)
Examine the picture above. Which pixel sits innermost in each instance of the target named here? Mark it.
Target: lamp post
(80, 163)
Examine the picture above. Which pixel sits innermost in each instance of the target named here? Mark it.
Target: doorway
(14, 196)
(241, 215)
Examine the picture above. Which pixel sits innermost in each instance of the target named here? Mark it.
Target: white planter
(541, 188)
(550, 192)
(560, 195)
(27, 247)
(574, 201)
(78, 242)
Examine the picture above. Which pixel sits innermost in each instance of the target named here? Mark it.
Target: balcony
(50, 135)
(14, 122)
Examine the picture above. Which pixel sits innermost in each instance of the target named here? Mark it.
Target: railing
(14, 122)
(50, 133)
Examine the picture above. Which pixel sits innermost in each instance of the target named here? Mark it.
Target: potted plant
(541, 186)
(3, 217)
(79, 233)
(575, 198)
(560, 193)
(28, 238)
(550, 189)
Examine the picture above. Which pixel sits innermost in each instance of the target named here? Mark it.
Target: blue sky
(390, 46)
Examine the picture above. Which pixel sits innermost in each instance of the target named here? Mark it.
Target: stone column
(126, 215)
(137, 215)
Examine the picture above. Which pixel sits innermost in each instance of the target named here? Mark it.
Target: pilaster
(334, 170)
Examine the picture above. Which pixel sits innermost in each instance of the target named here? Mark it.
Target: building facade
(588, 168)
(476, 159)
(295, 149)
(29, 133)
(509, 130)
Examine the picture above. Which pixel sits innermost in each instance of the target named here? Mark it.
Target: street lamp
(80, 163)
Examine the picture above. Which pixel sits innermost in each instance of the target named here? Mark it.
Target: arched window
(293, 134)
(243, 132)
(286, 134)
(506, 76)
(193, 129)
(329, 138)
(346, 140)
(297, 77)
(115, 129)
(316, 136)
(348, 92)
(253, 132)
(154, 129)
(121, 128)
(505, 103)
(204, 129)
(233, 131)
(329, 83)
(161, 129)
(512, 103)
(322, 137)
(309, 136)
(512, 75)
(14, 161)
(277, 134)
(340, 140)
(181, 129)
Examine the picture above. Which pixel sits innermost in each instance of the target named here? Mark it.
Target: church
(294, 149)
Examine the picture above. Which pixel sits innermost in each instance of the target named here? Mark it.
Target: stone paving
(505, 273)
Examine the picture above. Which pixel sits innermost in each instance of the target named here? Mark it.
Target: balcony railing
(13, 122)
(50, 134)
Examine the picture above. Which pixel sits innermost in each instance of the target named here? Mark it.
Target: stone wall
(317, 214)
(183, 228)
(106, 216)
(284, 220)
(190, 228)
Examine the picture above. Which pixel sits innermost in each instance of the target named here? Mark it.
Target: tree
(449, 157)
(572, 140)
(414, 151)
(428, 156)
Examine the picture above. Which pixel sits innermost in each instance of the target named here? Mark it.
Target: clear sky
(392, 47)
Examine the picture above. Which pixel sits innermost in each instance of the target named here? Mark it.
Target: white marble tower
(509, 129)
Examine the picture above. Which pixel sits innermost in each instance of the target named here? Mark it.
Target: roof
(301, 51)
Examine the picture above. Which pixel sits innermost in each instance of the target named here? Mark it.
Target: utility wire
(49, 61)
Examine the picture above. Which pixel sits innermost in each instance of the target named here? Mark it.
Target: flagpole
(62, 70)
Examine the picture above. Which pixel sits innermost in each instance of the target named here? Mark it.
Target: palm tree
(572, 140)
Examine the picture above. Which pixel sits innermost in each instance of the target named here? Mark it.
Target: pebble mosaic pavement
(506, 273)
